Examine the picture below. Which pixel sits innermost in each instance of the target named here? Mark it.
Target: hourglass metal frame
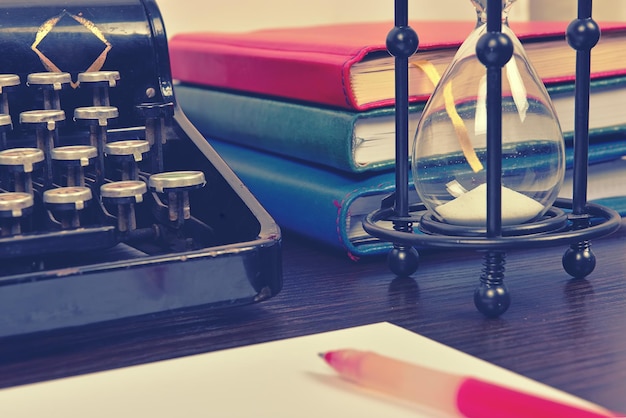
(569, 221)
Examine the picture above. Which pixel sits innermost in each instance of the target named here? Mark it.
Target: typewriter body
(112, 205)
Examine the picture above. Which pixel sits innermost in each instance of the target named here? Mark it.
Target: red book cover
(314, 64)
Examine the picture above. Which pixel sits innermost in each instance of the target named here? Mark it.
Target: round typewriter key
(22, 159)
(108, 77)
(96, 113)
(13, 207)
(50, 84)
(21, 162)
(134, 147)
(47, 116)
(55, 80)
(177, 185)
(5, 126)
(174, 181)
(45, 123)
(81, 154)
(67, 202)
(156, 116)
(7, 82)
(124, 194)
(127, 154)
(122, 191)
(68, 197)
(98, 119)
(5, 122)
(15, 204)
(74, 158)
(73, 196)
(100, 82)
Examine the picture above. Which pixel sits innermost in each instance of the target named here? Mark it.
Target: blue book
(329, 205)
(316, 202)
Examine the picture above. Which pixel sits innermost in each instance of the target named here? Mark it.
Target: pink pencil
(449, 393)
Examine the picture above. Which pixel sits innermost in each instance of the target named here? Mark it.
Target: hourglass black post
(494, 49)
(402, 42)
(582, 35)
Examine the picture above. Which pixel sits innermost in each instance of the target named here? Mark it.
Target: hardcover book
(348, 66)
(329, 206)
(356, 141)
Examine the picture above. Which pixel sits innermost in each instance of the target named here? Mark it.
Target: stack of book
(305, 116)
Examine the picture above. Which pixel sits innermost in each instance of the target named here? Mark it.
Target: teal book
(346, 140)
(329, 205)
(353, 141)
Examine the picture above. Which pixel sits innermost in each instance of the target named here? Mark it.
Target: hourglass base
(492, 300)
(403, 260)
(492, 297)
(579, 261)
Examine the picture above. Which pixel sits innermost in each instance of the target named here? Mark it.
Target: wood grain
(568, 334)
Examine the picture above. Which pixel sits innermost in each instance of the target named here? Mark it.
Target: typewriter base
(92, 294)
(83, 287)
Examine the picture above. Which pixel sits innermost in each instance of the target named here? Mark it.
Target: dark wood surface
(568, 334)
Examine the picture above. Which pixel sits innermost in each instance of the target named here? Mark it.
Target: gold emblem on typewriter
(45, 29)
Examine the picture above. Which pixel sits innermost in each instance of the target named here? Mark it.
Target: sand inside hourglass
(470, 208)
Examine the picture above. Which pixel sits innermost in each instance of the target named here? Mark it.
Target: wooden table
(568, 334)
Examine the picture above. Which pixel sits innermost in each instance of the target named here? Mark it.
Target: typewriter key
(156, 115)
(66, 203)
(100, 114)
(46, 130)
(124, 194)
(127, 154)
(50, 84)
(47, 117)
(98, 119)
(176, 184)
(100, 82)
(7, 82)
(5, 122)
(73, 158)
(5, 126)
(21, 162)
(13, 207)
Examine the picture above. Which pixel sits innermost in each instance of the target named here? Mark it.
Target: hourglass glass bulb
(449, 151)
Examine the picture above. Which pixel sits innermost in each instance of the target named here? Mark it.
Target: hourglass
(488, 157)
(449, 161)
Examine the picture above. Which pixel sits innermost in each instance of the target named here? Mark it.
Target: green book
(352, 141)
(341, 139)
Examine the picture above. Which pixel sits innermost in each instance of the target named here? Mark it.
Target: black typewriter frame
(67, 287)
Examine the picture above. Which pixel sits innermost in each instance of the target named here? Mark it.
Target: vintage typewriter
(112, 205)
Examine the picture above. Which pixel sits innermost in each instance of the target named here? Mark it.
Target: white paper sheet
(277, 379)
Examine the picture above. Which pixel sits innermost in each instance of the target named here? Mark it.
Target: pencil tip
(322, 355)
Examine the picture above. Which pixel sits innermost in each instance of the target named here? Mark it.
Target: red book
(348, 66)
